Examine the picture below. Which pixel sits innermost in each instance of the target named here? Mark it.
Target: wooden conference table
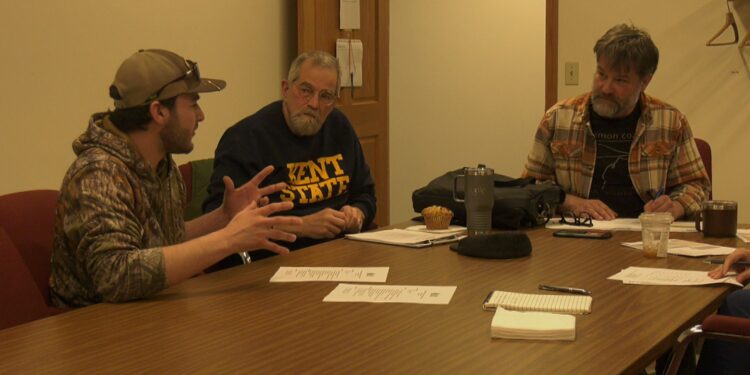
(235, 321)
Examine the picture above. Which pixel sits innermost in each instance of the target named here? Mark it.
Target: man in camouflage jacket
(119, 232)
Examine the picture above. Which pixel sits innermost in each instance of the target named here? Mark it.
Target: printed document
(688, 248)
(664, 276)
(628, 224)
(403, 237)
(433, 295)
(457, 229)
(356, 274)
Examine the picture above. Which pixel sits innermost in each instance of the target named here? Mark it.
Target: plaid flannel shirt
(663, 154)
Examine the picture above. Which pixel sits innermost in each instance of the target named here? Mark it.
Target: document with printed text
(433, 295)
(688, 248)
(628, 224)
(664, 276)
(356, 274)
(403, 237)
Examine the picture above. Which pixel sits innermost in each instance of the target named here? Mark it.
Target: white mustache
(308, 112)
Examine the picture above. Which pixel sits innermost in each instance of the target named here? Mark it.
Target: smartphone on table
(592, 234)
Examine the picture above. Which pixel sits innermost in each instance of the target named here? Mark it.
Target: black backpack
(519, 202)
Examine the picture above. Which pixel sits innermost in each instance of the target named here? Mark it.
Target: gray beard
(304, 126)
(605, 108)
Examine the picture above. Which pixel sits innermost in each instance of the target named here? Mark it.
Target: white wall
(59, 58)
(711, 85)
(466, 87)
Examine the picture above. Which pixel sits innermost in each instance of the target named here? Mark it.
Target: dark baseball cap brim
(188, 86)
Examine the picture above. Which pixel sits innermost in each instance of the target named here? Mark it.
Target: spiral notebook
(552, 303)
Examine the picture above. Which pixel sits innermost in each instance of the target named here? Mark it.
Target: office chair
(704, 149)
(715, 327)
(20, 299)
(29, 218)
(197, 175)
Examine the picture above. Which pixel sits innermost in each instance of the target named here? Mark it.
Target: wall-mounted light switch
(571, 73)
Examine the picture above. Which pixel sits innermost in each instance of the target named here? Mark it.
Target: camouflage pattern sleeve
(104, 243)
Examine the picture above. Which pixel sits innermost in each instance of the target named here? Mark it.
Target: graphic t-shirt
(611, 182)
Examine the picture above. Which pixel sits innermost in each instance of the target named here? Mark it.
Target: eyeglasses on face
(192, 72)
(571, 218)
(307, 92)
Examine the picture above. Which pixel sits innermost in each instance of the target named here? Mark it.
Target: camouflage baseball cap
(156, 74)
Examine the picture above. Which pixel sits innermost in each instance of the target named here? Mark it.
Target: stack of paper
(688, 248)
(665, 276)
(627, 224)
(532, 325)
(403, 237)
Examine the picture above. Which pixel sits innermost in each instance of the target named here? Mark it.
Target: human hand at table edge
(354, 218)
(743, 272)
(326, 223)
(665, 204)
(592, 207)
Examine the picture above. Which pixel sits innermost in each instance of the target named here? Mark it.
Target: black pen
(564, 289)
(721, 261)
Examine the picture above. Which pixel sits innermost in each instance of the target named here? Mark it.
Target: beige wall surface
(59, 58)
(711, 85)
(466, 87)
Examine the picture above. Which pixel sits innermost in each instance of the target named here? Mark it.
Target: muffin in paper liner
(437, 217)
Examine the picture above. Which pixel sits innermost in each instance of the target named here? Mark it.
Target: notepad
(402, 237)
(552, 303)
(532, 325)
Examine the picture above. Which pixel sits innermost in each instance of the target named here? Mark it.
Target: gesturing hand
(253, 228)
(235, 200)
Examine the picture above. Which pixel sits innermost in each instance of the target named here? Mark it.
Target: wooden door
(367, 106)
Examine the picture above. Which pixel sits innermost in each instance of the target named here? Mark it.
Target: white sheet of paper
(433, 295)
(348, 14)
(451, 229)
(744, 234)
(664, 276)
(402, 237)
(350, 61)
(688, 248)
(356, 274)
(628, 224)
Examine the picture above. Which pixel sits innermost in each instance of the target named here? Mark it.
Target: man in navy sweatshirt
(314, 150)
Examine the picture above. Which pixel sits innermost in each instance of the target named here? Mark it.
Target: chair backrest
(197, 175)
(186, 170)
(704, 149)
(20, 299)
(29, 219)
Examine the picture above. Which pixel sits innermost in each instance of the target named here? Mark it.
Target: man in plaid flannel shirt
(616, 151)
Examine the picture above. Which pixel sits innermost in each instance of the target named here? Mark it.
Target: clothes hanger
(728, 22)
(745, 41)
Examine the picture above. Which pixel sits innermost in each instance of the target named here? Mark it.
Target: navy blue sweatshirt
(326, 170)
